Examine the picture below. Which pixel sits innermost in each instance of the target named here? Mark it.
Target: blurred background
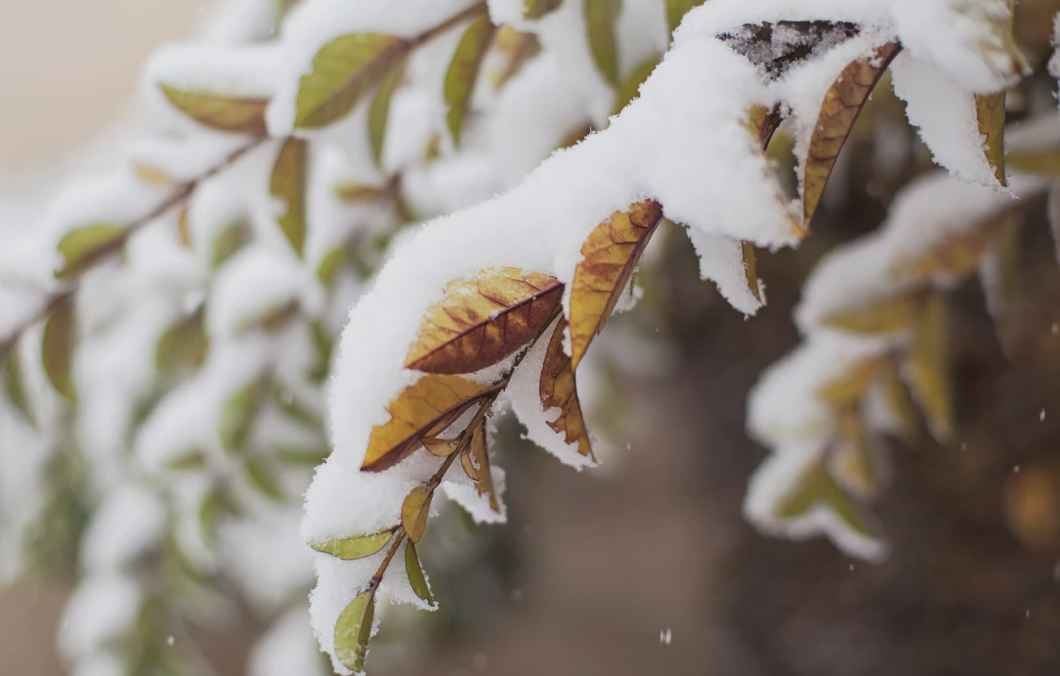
(649, 567)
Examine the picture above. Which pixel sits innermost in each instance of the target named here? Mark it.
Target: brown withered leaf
(887, 315)
(422, 410)
(763, 122)
(609, 254)
(482, 320)
(750, 269)
(839, 110)
(927, 368)
(558, 388)
(990, 118)
(478, 452)
(219, 111)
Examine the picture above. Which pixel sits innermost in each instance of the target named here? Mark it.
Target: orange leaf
(840, 109)
(476, 462)
(422, 410)
(558, 388)
(481, 321)
(414, 511)
(609, 255)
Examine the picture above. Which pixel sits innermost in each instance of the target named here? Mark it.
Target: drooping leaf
(999, 271)
(342, 70)
(518, 49)
(238, 414)
(414, 512)
(957, 255)
(478, 453)
(14, 386)
(261, 477)
(609, 254)
(839, 111)
(81, 246)
(57, 347)
(927, 368)
(676, 10)
(883, 316)
(353, 629)
(288, 183)
(355, 547)
(899, 403)
(227, 242)
(601, 17)
(463, 72)
(414, 572)
(630, 86)
(535, 9)
(558, 389)
(816, 487)
(379, 109)
(854, 462)
(848, 389)
(302, 456)
(482, 320)
(183, 345)
(242, 115)
(990, 118)
(750, 269)
(323, 344)
(427, 404)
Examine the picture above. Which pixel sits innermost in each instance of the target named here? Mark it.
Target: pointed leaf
(535, 9)
(355, 547)
(14, 387)
(379, 110)
(353, 629)
(261, 477)
(302, 456)
(558, 389)
(431, 402)
(330, 264)
(414, 571)
(1038, 161)
(478, 451)
(342, 70)
(359, 193)
(854, 462)
(57, 347)
(899, 403)
(288, 183)
(463, 72)
(441, 448)
(193, 459)
(990, 117)
(816, 487)
(323, 344)
(225, 113)
(227, 242)
(957, 255)
(847, 390)
(82, 246)
(601, 18)
(927, 368)
(630, 87)
(518, 49)
(414, 512)
(609, 255)
(238, 414)
(840, 109)
(676, 10)
(482, 320)
(750, 269)
(887, 315)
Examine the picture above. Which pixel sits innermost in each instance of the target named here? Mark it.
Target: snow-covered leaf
(990, 116)
(238, 414)
(261, 477)
(353, 629)
(816, 488)
(630, 86)
(676, 10)
(887, 315)
(183, 345)
(558, 389)
(847, 390)
(355, 547)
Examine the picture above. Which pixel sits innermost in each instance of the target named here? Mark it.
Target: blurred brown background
(591, 570)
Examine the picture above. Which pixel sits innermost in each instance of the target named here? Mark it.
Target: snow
(288, 647)
(126, 526)
(102, 609)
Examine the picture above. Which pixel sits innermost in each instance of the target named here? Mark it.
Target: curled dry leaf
(927, 368)
(990, 118)
(482, 320)
(463, 72)
(288, 184)
(558, 389)
(422, 410)
(609, 254)
(839, 110)
(414, 512)
(234, 114)
(353, 629)
(356, 547)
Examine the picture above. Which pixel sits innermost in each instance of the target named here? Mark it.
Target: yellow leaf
(379, 110)
(57, 347)
(414, 572)
(342, 70)
(353, 629)
(558, 388)
(288, 183)
(601, 17)
(463, 72)
(442, 448)
(217, 111)
(927, 368)
(899, 402)
(1039, 161)
(630, 87)
(854, 462)
(888, 315)
(609, 255)
(421, 410)
(415, 509)
(848, 389)
(82, 246)
(535, 9)
(356, 547)
(482, 320)
(839, 110)
(750, 269)
(990, 117)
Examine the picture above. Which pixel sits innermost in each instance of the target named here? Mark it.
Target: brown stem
(435, 31)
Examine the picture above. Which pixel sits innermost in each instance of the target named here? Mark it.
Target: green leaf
(309, 456)
(676, 10)
(261, 477)
(600, 19)
(353, 629)
(228, 241)
(215, 504)
(225, 113)
(463, 72)
(342, 70)
(14, 387)
(323, 343)
(414, 571)
(81, 246)
(288, 183)
(183, 346)
(356, 547)
(630, 87)
(414, 511)
(817, 487)
(330, 264)
(379, 110)
(535, 9)
(57, 348)
(294, 409)
(187, 461)
(238, 414)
